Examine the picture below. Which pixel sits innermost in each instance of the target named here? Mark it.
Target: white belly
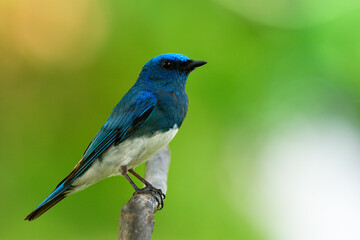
(130, 152)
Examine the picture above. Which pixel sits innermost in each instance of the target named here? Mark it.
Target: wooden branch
(137, 216)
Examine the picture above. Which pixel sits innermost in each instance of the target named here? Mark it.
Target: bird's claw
(155, 192)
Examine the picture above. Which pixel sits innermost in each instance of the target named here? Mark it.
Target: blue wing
(127, 116)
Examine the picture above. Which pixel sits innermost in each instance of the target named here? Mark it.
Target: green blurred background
(272, 66)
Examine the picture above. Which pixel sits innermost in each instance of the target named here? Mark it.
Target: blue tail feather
(58, 190)
(56, 196)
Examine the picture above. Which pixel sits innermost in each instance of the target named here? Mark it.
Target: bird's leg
(124, 172)
(140, 178)
(143, 180)
(150, 189)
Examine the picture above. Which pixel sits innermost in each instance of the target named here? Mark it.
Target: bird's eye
(166, 64)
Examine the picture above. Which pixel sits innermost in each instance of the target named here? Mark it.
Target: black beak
(192, 64)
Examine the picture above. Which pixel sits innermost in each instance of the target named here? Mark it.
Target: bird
(144, 121)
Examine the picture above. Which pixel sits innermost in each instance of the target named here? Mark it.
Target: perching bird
(144, 121)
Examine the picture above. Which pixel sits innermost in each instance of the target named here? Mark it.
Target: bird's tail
(56, 196)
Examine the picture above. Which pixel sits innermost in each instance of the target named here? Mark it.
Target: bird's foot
(155, 192)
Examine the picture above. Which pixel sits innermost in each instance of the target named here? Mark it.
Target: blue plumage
(144, 121)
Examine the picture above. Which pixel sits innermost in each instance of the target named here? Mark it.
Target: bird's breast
(143, 148)
(138, 149)
(172, 108)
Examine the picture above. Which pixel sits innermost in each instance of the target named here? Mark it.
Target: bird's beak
(192, 64)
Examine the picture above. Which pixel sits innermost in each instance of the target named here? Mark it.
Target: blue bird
(144, 121)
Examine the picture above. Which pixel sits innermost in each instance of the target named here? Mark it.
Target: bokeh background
(270, 148)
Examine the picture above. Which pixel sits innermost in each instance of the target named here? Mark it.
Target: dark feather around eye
(167, 65)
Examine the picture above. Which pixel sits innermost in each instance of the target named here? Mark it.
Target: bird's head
(168, 70)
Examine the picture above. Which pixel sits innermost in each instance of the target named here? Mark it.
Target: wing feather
(125, 119)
